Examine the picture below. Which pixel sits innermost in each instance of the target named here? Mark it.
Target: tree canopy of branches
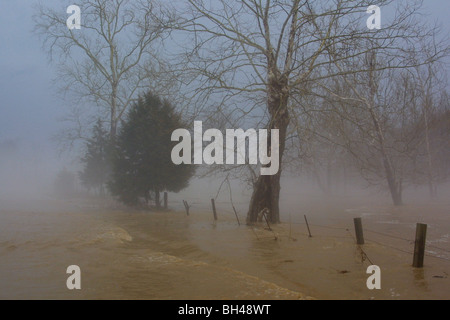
(259, 57)
(142, 165)
(266, 64)
(108, 61)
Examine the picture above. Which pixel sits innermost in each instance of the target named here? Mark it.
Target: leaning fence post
(419, 246)
(214, 209)
(307, 224)
(264, 211)
(359, 231)
(236, 214)
(186, 206)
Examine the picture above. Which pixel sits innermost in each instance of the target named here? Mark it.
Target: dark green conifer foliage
(97, 159)
(142, 165)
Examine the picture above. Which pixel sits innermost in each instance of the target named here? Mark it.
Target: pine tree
(97, 159)
(142, 165)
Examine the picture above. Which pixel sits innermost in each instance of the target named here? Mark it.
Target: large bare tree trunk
(266, 193)
(113, 126)
(431, 185)
(395, 187)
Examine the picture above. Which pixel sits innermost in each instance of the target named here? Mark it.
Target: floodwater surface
(168, 255)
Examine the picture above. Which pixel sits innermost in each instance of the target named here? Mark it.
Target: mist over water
(129, 254)
(132, 254)
(27, 170)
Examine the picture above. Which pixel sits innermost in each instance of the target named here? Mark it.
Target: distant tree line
(390, 127)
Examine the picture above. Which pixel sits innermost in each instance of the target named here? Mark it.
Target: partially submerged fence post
(186, 206)
(236, 214)
(214, 209)
(264, 211)
(307, 224)
(359, 231)
(165, 201)
(419, 246)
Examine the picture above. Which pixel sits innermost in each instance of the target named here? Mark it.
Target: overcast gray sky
(29, 110)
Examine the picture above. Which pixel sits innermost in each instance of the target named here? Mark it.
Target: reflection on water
(172, 256)
(419, 278)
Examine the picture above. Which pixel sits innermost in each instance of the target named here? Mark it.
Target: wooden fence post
(186, 206)
(419, 246)
(264, 211)
(307, 224)
(214, 209)
(359, 231)
(236, 214)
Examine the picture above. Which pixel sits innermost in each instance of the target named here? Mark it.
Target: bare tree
(429, 101)
(429, 82)
(108, 61)
(372, 101)
(254, 56)
(379, 117)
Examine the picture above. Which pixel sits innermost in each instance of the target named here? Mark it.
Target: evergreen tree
(96, 161)
(142, 165)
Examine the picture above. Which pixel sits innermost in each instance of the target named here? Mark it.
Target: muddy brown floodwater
(142, 255)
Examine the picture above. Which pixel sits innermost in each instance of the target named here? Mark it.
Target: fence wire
(410, 242)
(205, 207)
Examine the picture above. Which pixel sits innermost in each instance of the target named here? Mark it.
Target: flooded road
(142, 255)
